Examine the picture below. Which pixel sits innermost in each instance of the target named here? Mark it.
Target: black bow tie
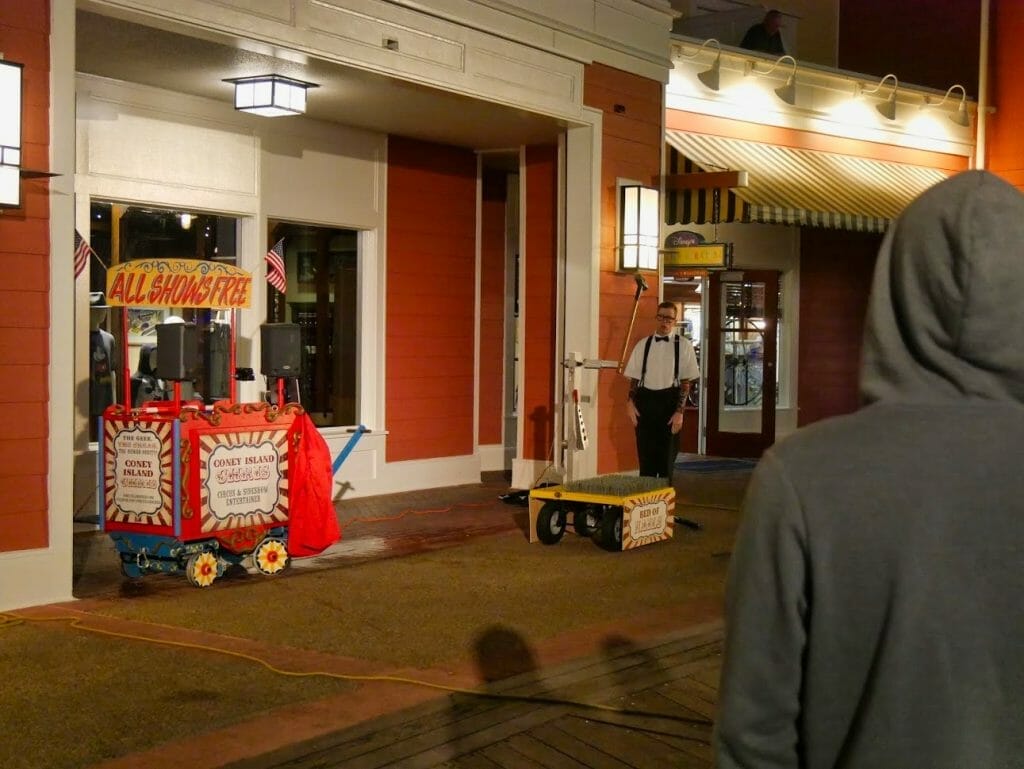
(661, 339)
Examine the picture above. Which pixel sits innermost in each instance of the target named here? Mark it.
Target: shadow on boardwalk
(630, 707)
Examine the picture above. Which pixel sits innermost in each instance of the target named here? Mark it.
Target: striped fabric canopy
(791, 186)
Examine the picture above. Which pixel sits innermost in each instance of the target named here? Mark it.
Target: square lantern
(10, 134)
(270, 95)
(639, 231)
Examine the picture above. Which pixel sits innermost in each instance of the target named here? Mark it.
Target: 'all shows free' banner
(178, 283)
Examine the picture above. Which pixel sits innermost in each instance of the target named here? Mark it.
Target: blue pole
(356, 435)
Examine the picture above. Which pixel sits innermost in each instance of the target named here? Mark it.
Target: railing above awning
(791, 186)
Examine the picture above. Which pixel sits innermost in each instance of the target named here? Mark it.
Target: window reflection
(322, 268)
(743, 343)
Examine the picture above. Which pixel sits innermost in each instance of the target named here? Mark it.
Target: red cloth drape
(313, 525)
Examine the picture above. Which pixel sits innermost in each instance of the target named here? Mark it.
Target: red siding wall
(431, 276)
(1005, 139)
(925, 42)
(631, 149)
(24, 311)
(540, 290)
(835, 279)
(492, 306)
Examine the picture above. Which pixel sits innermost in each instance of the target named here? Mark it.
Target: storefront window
(121, 233)
(322, 272)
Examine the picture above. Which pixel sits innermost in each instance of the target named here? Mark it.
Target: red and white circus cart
(186, 486)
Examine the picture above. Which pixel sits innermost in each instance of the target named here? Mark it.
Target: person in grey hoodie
(875, 601)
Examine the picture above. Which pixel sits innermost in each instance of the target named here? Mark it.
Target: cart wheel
(609, 534)
(585, 521)
(131, 570)
(201, 569)
(550, 524)
(270, 556)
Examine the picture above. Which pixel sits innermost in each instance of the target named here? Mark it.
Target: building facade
(448, 207)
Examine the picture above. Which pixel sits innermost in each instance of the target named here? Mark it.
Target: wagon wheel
(131, 569)
(585, 520)
(609, 535)
(201, 569)
(270, 556)
(550, 523)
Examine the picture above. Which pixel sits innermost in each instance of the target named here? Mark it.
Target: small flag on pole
(275, 267)
(82, 253)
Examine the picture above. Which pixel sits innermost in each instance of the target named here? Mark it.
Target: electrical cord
(8, 620)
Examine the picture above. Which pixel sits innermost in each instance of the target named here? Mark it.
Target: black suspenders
(647, 350)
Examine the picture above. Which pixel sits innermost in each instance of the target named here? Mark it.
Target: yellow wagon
(619, 512)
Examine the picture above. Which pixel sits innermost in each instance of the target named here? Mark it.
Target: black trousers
(656, 446)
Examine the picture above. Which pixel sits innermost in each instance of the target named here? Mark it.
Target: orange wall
(835, 277)
(540, 291)
(631, 141)
(24, 311)
(431, 277)
(492, 306)
(1005, 139)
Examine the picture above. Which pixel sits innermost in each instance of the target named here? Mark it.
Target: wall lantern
(888, 107)
(711, 77)
(960, 117)
(785, 92)
(639, 231)
(270, 95)
(10, 134)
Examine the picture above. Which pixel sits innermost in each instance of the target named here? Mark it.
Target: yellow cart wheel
(270, 556)
(201, 569)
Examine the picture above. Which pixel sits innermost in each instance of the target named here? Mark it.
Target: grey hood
(946, 316)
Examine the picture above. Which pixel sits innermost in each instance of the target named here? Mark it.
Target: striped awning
(791, 186)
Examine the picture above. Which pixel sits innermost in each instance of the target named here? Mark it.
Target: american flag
(82, 253)
(275, 267)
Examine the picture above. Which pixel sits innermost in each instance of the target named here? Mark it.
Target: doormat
(714, 465)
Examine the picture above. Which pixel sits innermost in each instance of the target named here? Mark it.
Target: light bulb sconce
(270, 95)
(711, 76)
(888, 107)
(10, 133)
(960, 117)
(785, 92)
(639, 227)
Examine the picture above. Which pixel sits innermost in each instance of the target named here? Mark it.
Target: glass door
(742, 365)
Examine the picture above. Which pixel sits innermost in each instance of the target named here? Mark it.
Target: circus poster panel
(243, 479)
(138, 479)
(647, 518)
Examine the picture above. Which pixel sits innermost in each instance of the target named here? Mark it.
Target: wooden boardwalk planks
(631, 708)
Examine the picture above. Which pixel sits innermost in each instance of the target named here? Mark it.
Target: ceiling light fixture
(270, 95)
(709, 77)
(10, 133)
(960, 117)
(888, 107)
(785, 92)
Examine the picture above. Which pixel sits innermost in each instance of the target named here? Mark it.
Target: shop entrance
(742, 368)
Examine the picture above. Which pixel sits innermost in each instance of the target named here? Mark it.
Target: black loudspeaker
(177, 351)
(280, 350)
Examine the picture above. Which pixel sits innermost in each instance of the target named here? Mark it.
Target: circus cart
(619, 512)
(193, 486)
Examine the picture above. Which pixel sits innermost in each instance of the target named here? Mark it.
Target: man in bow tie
(660, 370)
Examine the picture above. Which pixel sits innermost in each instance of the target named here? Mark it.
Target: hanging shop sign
(178, 283)
(705, 256)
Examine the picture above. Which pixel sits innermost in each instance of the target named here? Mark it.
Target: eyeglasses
(665, 317)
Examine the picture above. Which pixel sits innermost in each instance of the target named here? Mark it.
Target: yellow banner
(178, 283)
(707, 256)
